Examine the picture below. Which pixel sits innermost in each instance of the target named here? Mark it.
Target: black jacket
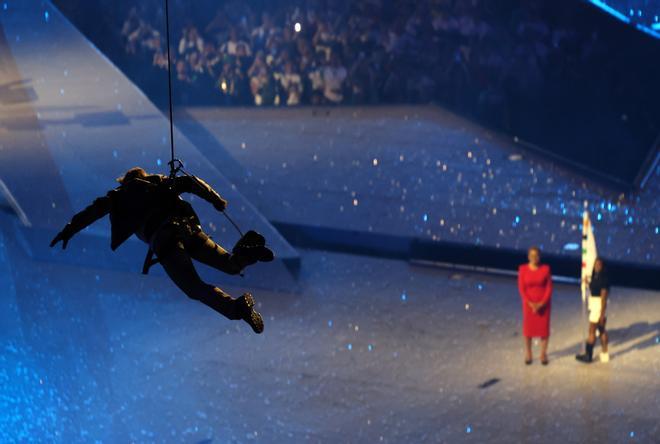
(139, 206)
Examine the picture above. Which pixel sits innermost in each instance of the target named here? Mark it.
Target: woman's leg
(544, 349)
(528, 348)
(587, 356)
(603, 337)
(591, 339)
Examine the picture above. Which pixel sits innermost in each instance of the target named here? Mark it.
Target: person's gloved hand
(220, 205)
(63, 236)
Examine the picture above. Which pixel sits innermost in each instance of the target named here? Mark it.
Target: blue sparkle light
(480, 287)
(330, 323)
(630, 219)
(349, 346)
(46, 16)
(599, 216)
(404, 296)
(159, 162)
(5, 6)
(425, 217)
(657, 230)
(370, 347)
(632, 434)
(468, 429)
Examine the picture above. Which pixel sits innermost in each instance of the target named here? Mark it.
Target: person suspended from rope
(150, 206)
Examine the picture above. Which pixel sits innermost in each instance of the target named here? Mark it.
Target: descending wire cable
(169, 85)
(175, 164)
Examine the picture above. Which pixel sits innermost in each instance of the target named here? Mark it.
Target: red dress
(535, 286)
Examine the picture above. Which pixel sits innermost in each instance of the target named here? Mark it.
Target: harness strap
(149, 261)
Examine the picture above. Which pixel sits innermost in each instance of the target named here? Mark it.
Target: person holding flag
(599, 287)
(596, 282)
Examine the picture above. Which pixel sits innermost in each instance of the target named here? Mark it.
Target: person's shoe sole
(253, 318)
(266, 255)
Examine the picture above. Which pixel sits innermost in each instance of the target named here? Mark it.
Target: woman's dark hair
(534, 248)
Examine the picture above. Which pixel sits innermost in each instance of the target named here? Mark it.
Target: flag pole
(584, 316)
(589, 254)
(583, 274)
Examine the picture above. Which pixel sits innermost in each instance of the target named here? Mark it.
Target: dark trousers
(176, 247)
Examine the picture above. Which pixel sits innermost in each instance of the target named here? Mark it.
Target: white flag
(589, 252)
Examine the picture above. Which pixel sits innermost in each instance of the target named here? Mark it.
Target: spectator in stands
(334, 75)
(291, 84)
(190, 42)
(324, 39)
(182, 74)
(211, 59)
(263, 32)
(234, 45)
(258, 75)
(130, 25)
(160, 57)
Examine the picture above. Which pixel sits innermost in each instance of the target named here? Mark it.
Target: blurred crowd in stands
(281, 53)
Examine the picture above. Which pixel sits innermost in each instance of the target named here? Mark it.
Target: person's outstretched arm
(195, 185)
(99, 208)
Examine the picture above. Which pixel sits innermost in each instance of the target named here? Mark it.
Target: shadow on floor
(619, 337)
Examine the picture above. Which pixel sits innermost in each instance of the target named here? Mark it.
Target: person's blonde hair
(133, 173)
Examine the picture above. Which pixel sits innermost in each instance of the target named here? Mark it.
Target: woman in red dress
(535, 286)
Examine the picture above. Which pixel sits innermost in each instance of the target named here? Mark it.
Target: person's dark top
(141, 205)
(599, 281)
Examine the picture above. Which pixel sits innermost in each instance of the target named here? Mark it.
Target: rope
(175, 164)
(169, 88)
(179, 167)
(233, 223)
